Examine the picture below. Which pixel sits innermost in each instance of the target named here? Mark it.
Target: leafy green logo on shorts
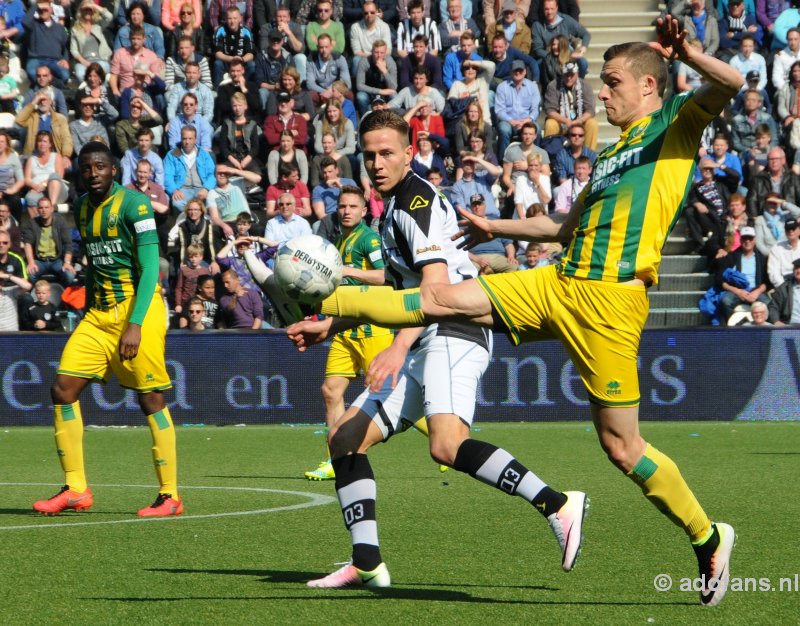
(613, 388)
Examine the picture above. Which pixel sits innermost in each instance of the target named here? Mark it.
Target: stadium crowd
(239, 120)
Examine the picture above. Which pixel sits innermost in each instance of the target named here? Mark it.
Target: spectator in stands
(196, 229)
(289, 181)
(686, 77)
(44, 172)
(784, 254)
(333, 121)
(290, 83)
(748, 60)
(325, 196)
(473, 121)
(241, 84)
(785, 58)
(188, 170)
(328, 150)
(702, 25)
(417, 24)
(41, 313)
(142, 117)
(174, 14)
(239, 140)
(725, 160)
(760, 314)
(533, 188)
(755, 159)
(86, 127)
(478, 176)
(422, 119)
(743, 126)
(512, 26)
(456, 24)
(788, 107)
(47, 42)
(420, 57)
(48, 244)
(324, 24)
(189, 273)
(124, 59)
(303, 14)
(241, 307)
(325, 68)
(558, 55)
(475, 85)
(750, 262)
(376, 76)
(517, 101)
(476, 143)
(287, 153)
(12, 12)
(387, 10)
(426, 159)
(93, 86)
(707, 207)
(286, 223)
(12, 179)
(232, 41)
(189, 26)
(736, 219)
(568, 101)
(291, 34)
(503, 58)
(751, 79)
(515, 158)
(226, 203)
(734, 27)
(185, 53)
(9, 224)
(407, 98)
(454, 61)
(195, 313)
(87, 42)
(144, 182)
(496, 256)
(191, 84)
(554, 24)
(218, 13)
(567, 192)
(271, 60)
(44, 81)
(574, 149)
(776, 177)
(190, 117)
(13, 278)
(153, 37)
(285, 120)
(783, 309)
(147, 86)
(207, 298)
(770, 225)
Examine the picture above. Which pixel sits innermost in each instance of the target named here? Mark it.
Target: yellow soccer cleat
(323, 472)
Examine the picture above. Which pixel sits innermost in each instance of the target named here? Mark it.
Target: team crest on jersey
(142, 209)
(112, 220)
(418, 202)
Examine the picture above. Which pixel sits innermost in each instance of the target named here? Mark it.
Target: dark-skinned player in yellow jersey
(595, 302)
(123, 332)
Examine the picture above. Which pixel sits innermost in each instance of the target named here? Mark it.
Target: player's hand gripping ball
(308, 269)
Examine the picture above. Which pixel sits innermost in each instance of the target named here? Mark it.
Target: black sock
(355, 487)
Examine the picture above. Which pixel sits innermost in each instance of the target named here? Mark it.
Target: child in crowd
(206, 294)
(195, 314)
(9, 92)
(41, 315)
(190, 271)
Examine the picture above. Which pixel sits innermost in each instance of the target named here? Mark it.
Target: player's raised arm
(722, 80)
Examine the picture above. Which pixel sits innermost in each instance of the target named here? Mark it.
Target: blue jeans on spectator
(188, 194)
(363, 100)
(505, 132)
(53, 266)
(220, 67)
(300, 63)
(60, 74)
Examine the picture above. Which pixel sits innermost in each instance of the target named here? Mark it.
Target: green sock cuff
(644, 469)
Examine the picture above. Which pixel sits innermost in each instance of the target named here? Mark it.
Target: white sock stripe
(530, 486)
(365, 532)
(363, 489)
(490, 471)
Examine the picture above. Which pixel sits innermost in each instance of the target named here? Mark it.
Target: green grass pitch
(459, 552)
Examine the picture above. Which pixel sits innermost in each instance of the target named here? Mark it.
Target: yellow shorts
(93, 349)
(599, 323)
(347, 357)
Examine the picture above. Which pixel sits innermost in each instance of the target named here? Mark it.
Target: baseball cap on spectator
(141, 68)
(747, 231)
(379, 100)
(790, 224)
(735, 1)
(518, 64)
(752, 75)
(274, 36)
(796, 263)
(569, 68)
(284, 96)
(509, 6)
(477, 198)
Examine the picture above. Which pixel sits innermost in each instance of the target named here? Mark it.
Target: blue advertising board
(232, 377)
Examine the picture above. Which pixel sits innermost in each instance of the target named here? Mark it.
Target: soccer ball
(308, 269)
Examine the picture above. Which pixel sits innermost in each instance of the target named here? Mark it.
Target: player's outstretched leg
(565, 512)
(75, 494)
(168, 501)
(355, 487)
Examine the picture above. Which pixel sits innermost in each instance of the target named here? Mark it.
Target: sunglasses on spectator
(576, 135)
(187, 13)
(196, 311)
(285, 203)
(370, 12)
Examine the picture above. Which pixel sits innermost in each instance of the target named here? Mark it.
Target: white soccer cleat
(351, 576)
(567, 525)
(715, 568)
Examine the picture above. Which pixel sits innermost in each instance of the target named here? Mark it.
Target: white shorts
(441, 376)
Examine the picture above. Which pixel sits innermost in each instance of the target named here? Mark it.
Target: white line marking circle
(315, 499)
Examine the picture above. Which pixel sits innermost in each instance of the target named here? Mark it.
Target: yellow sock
(422, 426)
(376, 305)
(662, 484)
(165, 456)
(69, 444)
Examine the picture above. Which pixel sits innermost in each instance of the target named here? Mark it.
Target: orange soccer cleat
(164, 506)
(63, 500)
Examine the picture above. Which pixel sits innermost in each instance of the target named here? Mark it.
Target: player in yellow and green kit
(352, 351)
(123, 332)
(596, 302)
